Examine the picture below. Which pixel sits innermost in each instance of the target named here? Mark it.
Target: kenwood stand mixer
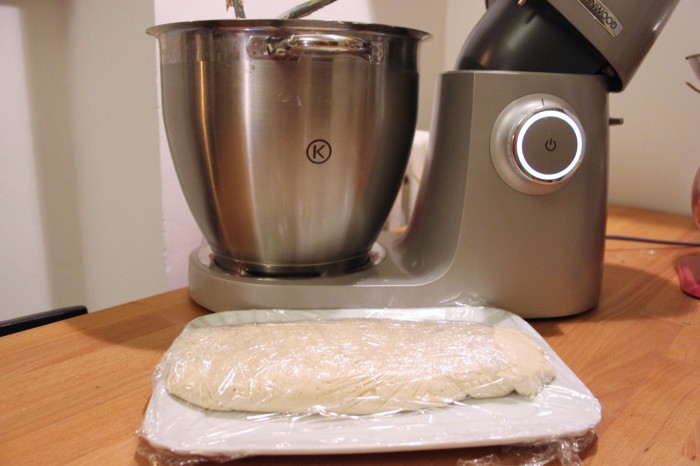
(512, 205)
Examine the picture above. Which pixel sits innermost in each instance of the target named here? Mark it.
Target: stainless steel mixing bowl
(289, 137)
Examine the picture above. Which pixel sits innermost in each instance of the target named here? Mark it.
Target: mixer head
(609, 37)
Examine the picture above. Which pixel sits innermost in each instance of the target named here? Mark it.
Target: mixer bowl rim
(315, 25)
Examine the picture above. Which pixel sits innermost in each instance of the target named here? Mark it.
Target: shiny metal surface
(305, 9)
(473, 238)
(289, 138)
(567, 152)
(621, 30)
(529, 36)
(238, 9)
(612, 35)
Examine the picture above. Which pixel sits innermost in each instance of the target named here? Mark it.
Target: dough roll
(351, 366)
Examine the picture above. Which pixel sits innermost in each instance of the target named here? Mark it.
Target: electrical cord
(692, 244)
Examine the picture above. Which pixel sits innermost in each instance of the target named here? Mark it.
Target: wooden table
(74, 392)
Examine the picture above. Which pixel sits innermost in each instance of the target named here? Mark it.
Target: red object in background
(688, 268)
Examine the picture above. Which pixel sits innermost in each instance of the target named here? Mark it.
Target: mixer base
(245, 269)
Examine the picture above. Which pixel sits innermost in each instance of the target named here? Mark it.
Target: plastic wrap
(359, 381)
(351, 366)
(565, 451)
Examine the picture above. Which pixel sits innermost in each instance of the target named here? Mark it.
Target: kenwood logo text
(604, 16)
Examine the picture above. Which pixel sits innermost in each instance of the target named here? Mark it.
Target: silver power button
(537, 144)
(548, 145)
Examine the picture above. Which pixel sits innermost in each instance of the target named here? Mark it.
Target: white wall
(655, 154)
(112, 101)
(82, 157)
(20, 213)
(81, 217)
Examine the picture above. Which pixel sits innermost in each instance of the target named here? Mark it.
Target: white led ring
(520, 154)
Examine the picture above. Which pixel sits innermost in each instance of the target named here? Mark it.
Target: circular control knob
(548, 145)
(537, 144)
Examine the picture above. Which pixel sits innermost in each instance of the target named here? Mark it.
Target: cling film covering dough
(338, 381)
(351, 366)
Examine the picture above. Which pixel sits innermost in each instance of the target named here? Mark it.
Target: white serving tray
(564, 408)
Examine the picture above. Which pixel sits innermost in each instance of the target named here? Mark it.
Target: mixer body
(512, 205)
(473, 235)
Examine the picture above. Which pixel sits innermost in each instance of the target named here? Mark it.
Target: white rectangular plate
(564, 408)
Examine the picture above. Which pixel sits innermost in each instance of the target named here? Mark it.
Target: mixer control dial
(547, 145)
(537, 144)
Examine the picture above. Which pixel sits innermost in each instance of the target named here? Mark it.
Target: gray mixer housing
(623, 31)
(512, 207)
(531, 247)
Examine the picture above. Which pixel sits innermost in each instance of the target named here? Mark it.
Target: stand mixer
(512, 205)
